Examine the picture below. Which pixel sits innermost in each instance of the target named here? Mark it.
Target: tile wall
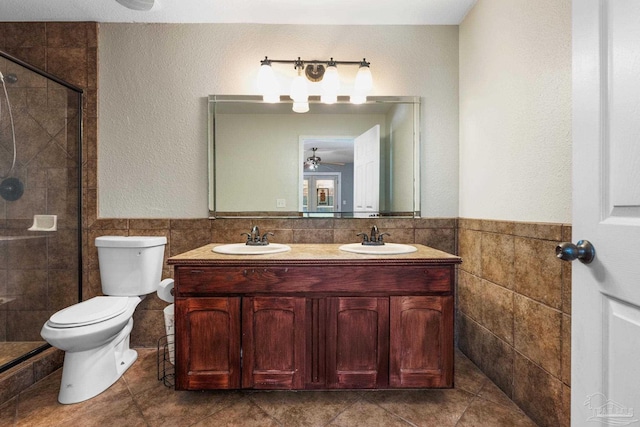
(514, 312)
(38, 271)
(68, 51)
(184, 235)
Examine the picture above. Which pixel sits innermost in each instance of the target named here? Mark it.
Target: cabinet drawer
(341, 279)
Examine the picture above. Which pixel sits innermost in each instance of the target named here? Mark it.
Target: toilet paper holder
(165, 290)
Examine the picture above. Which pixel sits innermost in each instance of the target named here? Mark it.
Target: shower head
(11, 189)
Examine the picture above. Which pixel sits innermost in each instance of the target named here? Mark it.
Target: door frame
(336, 193)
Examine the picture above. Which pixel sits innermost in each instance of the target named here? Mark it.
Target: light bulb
(330, 85)
(267, 84)
(358, 98)
(364, 80)
(299, 90)
(271, 98)
(300, 107)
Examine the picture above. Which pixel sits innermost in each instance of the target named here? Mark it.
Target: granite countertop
(314, 253)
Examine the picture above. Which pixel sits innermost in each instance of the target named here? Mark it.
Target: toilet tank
(130, 266)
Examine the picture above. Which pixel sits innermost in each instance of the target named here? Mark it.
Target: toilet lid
(94, 310)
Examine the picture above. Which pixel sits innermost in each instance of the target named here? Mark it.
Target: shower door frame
(80, 95)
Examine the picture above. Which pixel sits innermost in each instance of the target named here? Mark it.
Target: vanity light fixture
(325, 72)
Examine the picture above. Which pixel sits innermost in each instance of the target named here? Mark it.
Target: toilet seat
(89, 312)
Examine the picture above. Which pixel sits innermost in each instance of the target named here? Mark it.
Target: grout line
(393, 414)
(253, 402)
(473, 399)
(359, 399)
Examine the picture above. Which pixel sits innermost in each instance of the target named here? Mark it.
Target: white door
(366, 173)
(605, 374)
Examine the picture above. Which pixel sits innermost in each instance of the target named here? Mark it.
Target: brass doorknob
(584, 251)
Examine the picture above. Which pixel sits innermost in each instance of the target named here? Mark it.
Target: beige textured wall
(515, 111)
(154, 80)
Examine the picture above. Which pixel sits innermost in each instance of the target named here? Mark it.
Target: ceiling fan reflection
(313, 162)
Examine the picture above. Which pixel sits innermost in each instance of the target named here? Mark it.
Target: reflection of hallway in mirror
(321, 192)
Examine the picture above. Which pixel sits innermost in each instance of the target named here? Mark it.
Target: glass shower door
(40, 172)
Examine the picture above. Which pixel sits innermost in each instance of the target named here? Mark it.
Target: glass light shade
(330, 85)
(271, 98)
(267, 84)
(364, 80)
(299, 90)
(300, 107)
(328, 98)
(358, 98)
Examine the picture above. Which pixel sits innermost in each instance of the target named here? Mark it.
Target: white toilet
(95, 333)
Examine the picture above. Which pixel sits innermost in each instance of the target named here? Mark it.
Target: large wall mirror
(339, 160)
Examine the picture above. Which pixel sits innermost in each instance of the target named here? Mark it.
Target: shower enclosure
(40, 204)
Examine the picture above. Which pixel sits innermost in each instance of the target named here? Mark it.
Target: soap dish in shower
(44, 223)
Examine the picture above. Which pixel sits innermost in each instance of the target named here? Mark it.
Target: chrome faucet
(374, 233)
(255, 239)
(375, 239)
(255, 233)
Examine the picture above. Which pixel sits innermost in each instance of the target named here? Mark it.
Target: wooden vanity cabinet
(273, 342)
(357, 343)
(217, 347)
(300, 324)
(208, 332)
(421, 341)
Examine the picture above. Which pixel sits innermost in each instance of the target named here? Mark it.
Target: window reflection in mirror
(267, 161)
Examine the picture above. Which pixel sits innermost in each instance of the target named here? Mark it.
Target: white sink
(386, 249)
(244, 249)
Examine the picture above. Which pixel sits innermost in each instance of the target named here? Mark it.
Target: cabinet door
(207, 343)
(273, 342)
(421, 353)
(357, 342)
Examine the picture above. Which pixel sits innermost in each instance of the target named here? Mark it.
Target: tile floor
(139, 399)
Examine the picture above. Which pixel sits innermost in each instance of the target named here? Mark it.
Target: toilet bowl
(94, 334)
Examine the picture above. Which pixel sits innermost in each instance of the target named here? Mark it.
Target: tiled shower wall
(38, 271)
(68, 51)
(514, 312)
